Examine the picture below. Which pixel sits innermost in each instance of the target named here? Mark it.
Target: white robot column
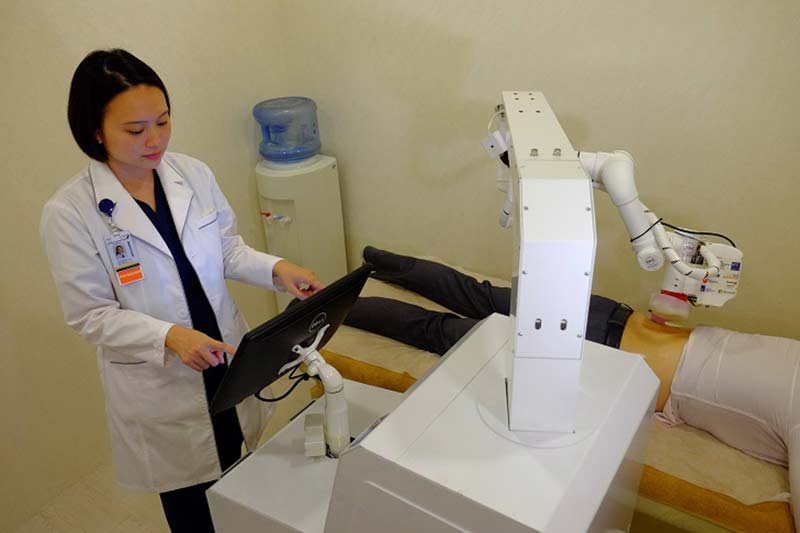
(298, 191)
(554, 227)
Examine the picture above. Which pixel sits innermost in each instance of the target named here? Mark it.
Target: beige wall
(217, 60)
(703, 94)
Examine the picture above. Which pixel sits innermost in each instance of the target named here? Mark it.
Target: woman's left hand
(299, 281)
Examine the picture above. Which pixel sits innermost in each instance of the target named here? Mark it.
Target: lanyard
(105, 206)
(120, 245)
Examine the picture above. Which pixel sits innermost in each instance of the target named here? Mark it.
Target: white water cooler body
(301, 210)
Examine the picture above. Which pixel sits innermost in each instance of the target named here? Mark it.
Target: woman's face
(135, 131)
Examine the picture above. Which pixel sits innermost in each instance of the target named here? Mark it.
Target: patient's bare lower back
(660, 346)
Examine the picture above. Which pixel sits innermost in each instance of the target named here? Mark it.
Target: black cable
(645, 232)
(298, 381)
(676, 228)
(291, 372)
(720, 235)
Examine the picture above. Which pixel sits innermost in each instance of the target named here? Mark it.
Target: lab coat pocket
(114, 357)
(207, 220)
(204, 248)
(146, 392)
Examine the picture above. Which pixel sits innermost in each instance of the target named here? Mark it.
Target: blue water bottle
(289, 129)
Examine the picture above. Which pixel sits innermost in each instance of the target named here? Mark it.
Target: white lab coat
(161, 434)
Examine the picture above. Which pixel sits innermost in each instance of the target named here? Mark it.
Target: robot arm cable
(674, 259)
(684, 230)
(645, 232)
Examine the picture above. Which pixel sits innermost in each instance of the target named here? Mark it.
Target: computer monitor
(265, 349)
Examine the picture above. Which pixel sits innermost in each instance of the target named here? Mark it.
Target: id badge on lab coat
(123, 256)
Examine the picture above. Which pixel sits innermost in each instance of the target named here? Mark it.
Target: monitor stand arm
(337, 424)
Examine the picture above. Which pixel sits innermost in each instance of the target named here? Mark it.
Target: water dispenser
(298, 190)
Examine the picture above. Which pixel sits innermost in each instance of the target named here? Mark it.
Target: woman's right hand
(197, 350)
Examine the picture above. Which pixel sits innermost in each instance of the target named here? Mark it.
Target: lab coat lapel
(128, 216)
(178, 193)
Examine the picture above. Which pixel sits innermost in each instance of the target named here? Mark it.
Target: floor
(96, 504)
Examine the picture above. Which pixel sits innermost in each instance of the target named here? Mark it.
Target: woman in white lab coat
(160, 313)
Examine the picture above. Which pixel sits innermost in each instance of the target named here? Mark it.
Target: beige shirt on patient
(744, 390)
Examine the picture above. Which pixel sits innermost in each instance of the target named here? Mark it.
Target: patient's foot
(387, 265)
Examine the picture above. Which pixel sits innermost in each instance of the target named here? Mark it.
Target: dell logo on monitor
(317, 323)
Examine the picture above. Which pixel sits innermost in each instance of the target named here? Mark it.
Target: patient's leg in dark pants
(444, 285)
(437, 332)
(432, 331)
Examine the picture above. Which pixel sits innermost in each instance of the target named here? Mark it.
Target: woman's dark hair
(101, 76)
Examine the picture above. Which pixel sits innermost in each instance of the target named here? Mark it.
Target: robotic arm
(613, 174)
(698, 272)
